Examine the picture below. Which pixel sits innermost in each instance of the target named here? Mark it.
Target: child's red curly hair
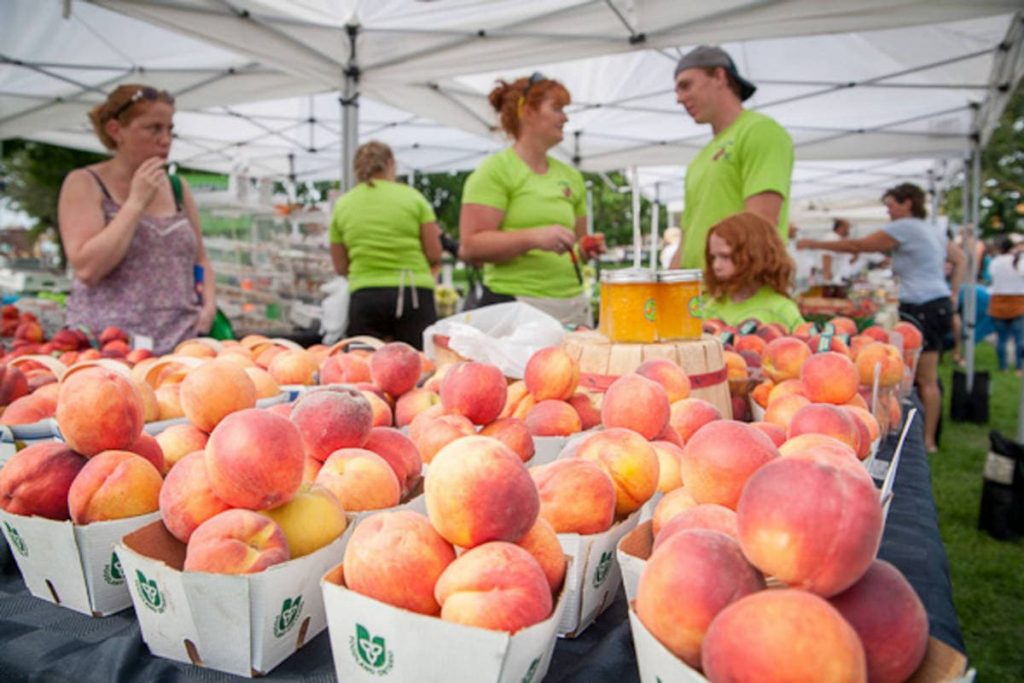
(758, 253)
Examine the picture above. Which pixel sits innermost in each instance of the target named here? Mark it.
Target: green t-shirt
(380, 228)
(753, 155)
(504, 181)
(766, 305)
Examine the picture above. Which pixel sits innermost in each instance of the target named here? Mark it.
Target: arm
(209, 307)
(765, 204)
(481, 239)
(339, 257)
(956, 256)
(876, 241)
(430, 239)
(826, 266)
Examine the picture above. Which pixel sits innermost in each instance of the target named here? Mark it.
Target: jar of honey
(678, 305)
(628, 311)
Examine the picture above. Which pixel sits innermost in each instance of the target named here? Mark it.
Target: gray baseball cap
(709, 56)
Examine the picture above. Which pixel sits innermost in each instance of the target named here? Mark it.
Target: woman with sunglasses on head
(131, 233)
(523, 211)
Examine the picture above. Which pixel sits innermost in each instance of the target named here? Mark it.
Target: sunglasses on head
(147, 94)
(534, 79)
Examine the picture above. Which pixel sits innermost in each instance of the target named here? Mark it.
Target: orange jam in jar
(678, 304)
(628, 311)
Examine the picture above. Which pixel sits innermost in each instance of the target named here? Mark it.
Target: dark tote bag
(970, 406)
(1002, 490)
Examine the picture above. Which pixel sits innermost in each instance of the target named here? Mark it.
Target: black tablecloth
(42, 642)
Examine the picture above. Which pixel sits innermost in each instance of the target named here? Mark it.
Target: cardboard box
(241, 624)
(16, 437)
(942, 664)
(371, 640)
(72, 566)
(592, 577)
(631, 554)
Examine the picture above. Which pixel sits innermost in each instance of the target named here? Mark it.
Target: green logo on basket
(16, 540)
(650, 311)
(112, 573)
(149, 592)
(603, 565)
(532, 671)
(371, 652)
(290, 611)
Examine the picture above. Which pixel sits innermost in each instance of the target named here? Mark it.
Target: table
(42, 642)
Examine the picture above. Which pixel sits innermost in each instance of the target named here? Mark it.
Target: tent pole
(638, 244)
(654, 226)
(349, 112)
(590, 207)
(972, 261)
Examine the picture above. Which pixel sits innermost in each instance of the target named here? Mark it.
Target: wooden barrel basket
(602, 362)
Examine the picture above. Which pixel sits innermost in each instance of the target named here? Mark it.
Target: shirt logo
(723, 152)
(566, 189)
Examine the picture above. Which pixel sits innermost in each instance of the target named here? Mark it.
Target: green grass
(988, 575)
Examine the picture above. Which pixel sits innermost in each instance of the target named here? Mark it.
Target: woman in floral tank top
(131, 243)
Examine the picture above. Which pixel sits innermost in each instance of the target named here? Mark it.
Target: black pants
(934, 318)
(371, 312)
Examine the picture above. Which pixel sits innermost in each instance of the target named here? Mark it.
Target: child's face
(721, 258)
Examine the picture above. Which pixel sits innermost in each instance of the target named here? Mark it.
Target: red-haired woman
(131, 236)
(523, 210)
(747, 273)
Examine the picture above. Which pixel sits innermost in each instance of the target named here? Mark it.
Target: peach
(195, 349)
(412, 403)
(671, 504)
(781, 412)
(787, 387)
(514, 394)
(701, 516)
(255, 459)
(214, 390)
(864, 442)
(858, 343)
(821, 418)
(114, 485)
(395, 368)
(150, 405)
(186, 500)
(552, 417)
(399, 452)
(912, 337)
(35, 481)
(590, 416)
(735, 366)
(266, 386)
(475, 390)
(843, 325)
(672, 378)
(379, 409)
(782, 635)
(179, 440)
(497, 586)
(431, 434)
(576, 496)
(637, 403)
(669, 435)
(720, 458)
(805, 330)
(761, 392)
(809, 524)
(360, 479)
(13, 384)
(397, 557)
(310, 468)
(783, 358)
(236, 542)
(99, 410)
(242, 358)
(822, 343)
(524, 407)
(310, 520)
(541, 541)
(829, 378)
(877, 333)
(344, 368)
(668, 465)
(332, 418)
(751, 342)
(478, 490)
(433, 383)
(690, 414)
(513, 433)
(817, 441)
(629, 460)
(294, 366)
(776, 433)
(688, 580)
(887, 357)
(867, 419)
(890, 619)
(551, 373)
(28, 410)
(168, 399)
(149, 448)
(857, 401)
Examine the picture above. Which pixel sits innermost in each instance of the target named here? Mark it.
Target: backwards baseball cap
(707, 56)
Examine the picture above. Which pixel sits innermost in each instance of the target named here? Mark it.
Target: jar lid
(628, 275)
(690, 275)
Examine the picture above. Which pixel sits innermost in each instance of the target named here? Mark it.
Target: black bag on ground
(973, 406)
(1002, 491)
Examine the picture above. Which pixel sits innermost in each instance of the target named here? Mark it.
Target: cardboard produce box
(631, 555)
(16, 437)
(243, 624)
(371, 641)
(70, 565)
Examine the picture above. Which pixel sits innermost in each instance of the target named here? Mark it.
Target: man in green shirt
(746, 166)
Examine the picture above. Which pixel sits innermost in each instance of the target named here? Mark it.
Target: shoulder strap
(103, 187)
(179, 201)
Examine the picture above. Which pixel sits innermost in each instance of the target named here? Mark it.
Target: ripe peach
(781, 412)
(672, 378)
(195, 349)
(576, 496)
(513, 433)
(523, 408)
(236, 542)
(701, 516)
(310, 520)
(782, 635)
(35, 481)
(835, 344)
(266, 386)
(255, 459)
(821, 418)
(310, 468)
(735, 366)
(691, 577)
(332, 418)
(720, 458)
(590, 416)
(761, 392)
(551, 373)
(814, 440)
(379, 409)
(476, 390)
(843, 325)
(150, 449)
(431, 434)
(186, 500)
(877, 333)
(787, 387)
(629, 460)
(294, 366)
(809, 524)
(478, 490)
(168, 399)
(776, 433)
(887, 357)
(397, 557)
(552, 417)
(28, 410)
(99, 410)
(496, 586)
(213, 391)
(541, 541)
(751, 342)
(668, 465)
(867, 419)
(179, 440)
(670, 505)
(360, 479)
(829, 378)
(240, 357)
(690, 414)
(412, 403)
(783, 358)
(114, 485)
(344, 368)
(637, 403)
(912, 337)
(399, 452)
(395, 368)
(858, 343)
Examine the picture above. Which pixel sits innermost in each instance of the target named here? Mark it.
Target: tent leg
(972, 265)
(349, 113)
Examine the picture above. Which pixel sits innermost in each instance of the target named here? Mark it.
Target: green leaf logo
(290, 611)
(532, 671)
(17, 542)
(112, 573)
(149, 592)
(371, 652)
(603, 565)
(650, 310)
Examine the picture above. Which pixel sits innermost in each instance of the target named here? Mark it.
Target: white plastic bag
(335, 309)
(505, 335)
